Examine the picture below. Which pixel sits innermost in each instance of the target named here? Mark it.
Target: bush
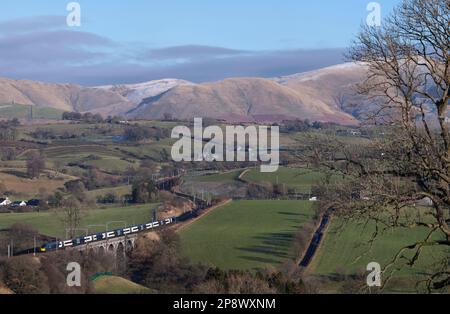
(23, 236)
(109, 198)
(26, 274)
(143, 192)
(158, 265)
(22, 275)
(259, 191)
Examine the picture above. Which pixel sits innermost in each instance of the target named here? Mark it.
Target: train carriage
(105, 235)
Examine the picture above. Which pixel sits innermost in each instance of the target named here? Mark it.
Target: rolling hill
(334, 86)
(135, 93)
(240, 100)
(323, 95)
(67, 97)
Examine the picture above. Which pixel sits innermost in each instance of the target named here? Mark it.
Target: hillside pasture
(16, 180)
(119, 191)
(151, 150)
(119, 285)
(103, 157)
(298, 179)
(346, 250)
(246, 234)
(18, 111)
(223, 177)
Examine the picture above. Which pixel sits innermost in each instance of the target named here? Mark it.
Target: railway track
(316, 240)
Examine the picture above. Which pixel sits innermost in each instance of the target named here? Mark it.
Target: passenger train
(51, 246)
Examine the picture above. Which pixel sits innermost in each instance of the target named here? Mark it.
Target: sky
(197, 40)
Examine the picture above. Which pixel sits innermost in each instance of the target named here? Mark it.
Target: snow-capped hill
(339, 69)
(136, 93)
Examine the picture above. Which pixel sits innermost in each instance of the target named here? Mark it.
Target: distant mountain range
(323, 95)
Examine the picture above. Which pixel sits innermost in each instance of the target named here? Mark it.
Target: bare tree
(72, 215)
(407, 59)
(35, 164)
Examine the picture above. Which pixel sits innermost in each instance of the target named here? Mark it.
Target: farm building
(34, 202)
(19, 204)
(5, 202)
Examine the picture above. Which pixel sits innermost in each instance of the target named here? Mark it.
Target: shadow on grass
(260, 259)
(304, 215)
(290, 214)
(272, 248)
(17, 173)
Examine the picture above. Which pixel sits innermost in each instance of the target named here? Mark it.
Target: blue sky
(146, 40)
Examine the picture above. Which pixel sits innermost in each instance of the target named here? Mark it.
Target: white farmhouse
(5, 202)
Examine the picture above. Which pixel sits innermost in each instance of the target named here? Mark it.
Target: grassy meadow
(346, 249)
(225, 177)
(50, 223)
(295, 178)
(246, 234)
(18, 111)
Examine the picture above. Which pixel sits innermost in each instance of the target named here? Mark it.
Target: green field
(296, 178)
(111, 164)
(119, 191)
(119, 285)
(11, 111)
(69, 153)
(106, 158)
(246, 234)
(158, 123)
(225, 177)
(346, 248)
(307, 137)
(73, 126)
(149, 150)
(50, 223)
(66, 133)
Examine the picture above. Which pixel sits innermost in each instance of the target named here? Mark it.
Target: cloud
(259, 64)
(43, 48)
(39, 41)
(190, 52)
(32, 24)
(267, 64)
(51, 47)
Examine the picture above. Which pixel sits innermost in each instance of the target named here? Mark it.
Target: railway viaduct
(115, 247)
(119, 246)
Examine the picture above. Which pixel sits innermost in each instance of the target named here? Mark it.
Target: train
(56, 245)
